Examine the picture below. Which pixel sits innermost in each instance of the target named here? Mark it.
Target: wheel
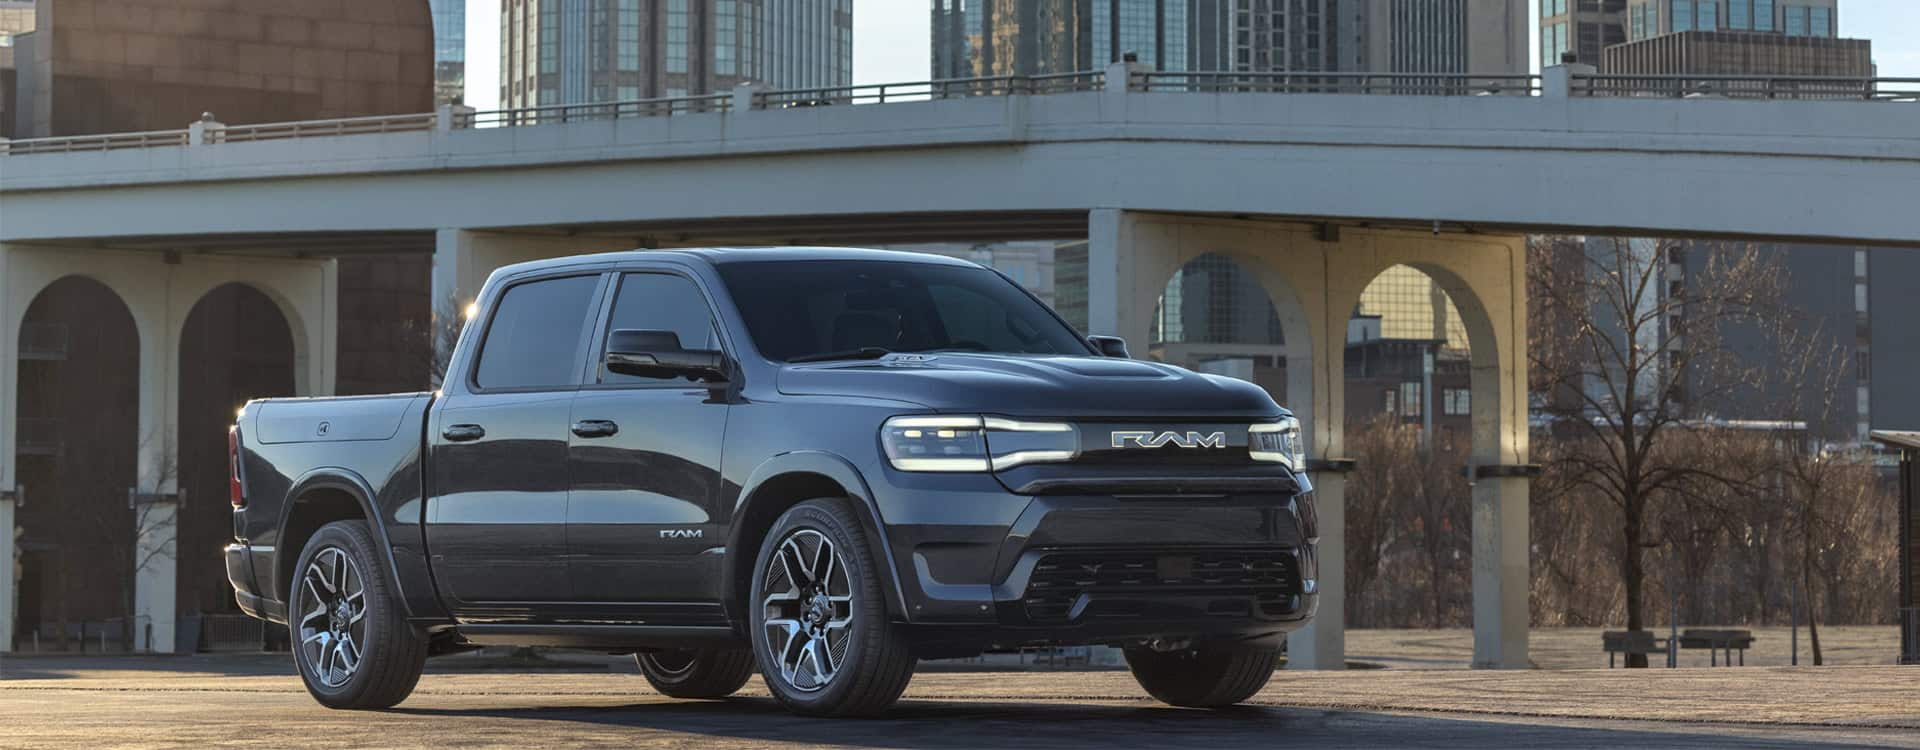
(351, 645)
(1208, 676)
(819, 623)
(701, 673)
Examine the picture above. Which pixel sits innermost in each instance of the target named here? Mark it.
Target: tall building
(586, 51)
(1651, 18)
(1747, 53)
(449, 51)
(16, 18)
(1583, 27)
(1033, 37)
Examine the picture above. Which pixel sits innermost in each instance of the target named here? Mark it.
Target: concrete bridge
(1315, 193)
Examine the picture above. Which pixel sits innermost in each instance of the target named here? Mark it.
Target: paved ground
(49, 702)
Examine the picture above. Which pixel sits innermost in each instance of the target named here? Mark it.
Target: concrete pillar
(1323, 644)
(1119, 298)
(9, 394)
(1500, 573)
(1556, 82)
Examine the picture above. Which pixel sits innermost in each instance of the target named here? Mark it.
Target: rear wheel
(1206, 676)
(697, 673)
(819, 623)
(352, 646)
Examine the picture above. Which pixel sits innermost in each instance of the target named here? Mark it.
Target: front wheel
(351, 644)
(1206, 676)
(820, 626)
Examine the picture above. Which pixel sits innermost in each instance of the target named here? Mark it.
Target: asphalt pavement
(199, 701)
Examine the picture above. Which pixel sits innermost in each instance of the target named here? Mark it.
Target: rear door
(497, 520)
(644, 525)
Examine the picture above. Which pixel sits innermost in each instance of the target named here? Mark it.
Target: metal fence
(1394, 84)
(1814, 88)
(1390, 84)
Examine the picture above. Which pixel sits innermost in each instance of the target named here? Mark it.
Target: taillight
(234, 493)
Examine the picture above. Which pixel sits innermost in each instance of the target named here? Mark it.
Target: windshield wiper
(865, 352)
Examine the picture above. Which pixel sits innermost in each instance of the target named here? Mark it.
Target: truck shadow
(938, 724)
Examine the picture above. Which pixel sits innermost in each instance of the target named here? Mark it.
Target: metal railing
(1817, 88)
(955, 88)
(561, 113)
(1398, 84)
(103, 142)
(272, 131)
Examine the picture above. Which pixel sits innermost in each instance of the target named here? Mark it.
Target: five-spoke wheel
(809, 609)
(820, 626)
(332, 600)
(352, 644)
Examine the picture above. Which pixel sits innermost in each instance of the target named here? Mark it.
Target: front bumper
(984, 568)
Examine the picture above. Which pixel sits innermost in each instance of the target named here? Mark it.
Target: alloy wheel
(808, 609)
(333, 629)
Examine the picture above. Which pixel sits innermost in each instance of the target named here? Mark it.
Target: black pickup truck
(818, 464)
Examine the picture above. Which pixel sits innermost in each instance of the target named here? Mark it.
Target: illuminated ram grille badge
(1148, 439)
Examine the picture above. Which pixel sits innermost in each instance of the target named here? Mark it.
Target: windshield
(800, 310)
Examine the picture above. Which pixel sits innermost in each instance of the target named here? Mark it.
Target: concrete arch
(303, 293)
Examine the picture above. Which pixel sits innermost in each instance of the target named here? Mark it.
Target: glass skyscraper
(588, 51)
(449, 51)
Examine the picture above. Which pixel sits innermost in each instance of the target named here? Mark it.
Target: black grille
(1230, 583)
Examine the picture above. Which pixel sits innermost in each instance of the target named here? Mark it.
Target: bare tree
(1629, 354)
(111, 510)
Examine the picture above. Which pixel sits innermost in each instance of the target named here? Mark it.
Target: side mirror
(657, 354)
(1110, 346)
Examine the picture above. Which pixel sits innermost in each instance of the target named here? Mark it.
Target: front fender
(836, 469)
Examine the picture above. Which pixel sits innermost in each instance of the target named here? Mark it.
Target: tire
(1209, 676)
(697, 673)
(825, 650)
(362, 656)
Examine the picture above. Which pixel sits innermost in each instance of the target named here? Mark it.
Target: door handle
(463, 433)
(595, 428)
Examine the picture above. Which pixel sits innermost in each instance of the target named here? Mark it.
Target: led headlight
(972, 443)
(1278, 442)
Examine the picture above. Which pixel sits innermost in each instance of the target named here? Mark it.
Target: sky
(891, 37)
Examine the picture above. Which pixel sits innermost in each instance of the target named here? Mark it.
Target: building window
(1387, 399)
(1682, 16)
(1639, 22)
(1739, 15)
(1820, 21)
(1796, 20)
(1458, 402)
(1709, 16)
(628, 42)
(1863, 365)
(726, 38)
(1762, 15)
(676, 36)
(1410, 399)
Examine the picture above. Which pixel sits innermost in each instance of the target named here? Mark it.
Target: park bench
(1718, 642)
(1631, 642)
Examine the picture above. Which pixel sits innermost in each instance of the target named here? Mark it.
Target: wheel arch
(320, 497)
(782, 482)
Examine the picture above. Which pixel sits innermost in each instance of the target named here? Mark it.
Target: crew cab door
(644, 527)
(497, 517)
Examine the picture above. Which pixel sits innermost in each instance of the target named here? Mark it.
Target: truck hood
(1032, 385)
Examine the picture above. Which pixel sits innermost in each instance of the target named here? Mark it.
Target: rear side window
(534, 338)
(661, 302)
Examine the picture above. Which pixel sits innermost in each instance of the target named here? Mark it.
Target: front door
(644, 528)
(497, 521)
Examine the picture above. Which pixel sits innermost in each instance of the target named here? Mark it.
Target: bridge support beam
(1314, 277)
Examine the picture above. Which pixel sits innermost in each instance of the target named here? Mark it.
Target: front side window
(661, 302)
(533, 340)
(815, 309)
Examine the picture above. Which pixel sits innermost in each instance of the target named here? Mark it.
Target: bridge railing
(1830, 88)
(563, 113)
(272, 131)
(103, 142)
(953, 88)
(1401, 84)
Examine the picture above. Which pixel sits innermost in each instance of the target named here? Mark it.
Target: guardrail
(1392, 84)
(1397, 84)
(104, 142)
(311, 128)
(1815, 88)
(561, 113)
